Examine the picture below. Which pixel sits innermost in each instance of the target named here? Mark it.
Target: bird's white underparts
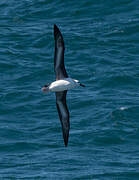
(62, 85)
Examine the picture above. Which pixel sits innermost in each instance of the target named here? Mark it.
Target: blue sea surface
(102, 51)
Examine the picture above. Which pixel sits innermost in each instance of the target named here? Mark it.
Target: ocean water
(102, 51)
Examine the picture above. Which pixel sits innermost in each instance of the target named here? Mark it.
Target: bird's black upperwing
(59, 55)
(63, 114)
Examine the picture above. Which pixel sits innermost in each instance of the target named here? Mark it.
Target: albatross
(62, 84)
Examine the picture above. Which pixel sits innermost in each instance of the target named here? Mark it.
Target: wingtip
(58, 37)
(55, 26)
(66, 138)
(66, 142)
(56, 29)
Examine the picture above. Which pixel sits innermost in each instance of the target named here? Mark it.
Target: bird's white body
(63, 84)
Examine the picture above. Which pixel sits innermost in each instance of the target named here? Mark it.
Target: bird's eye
(46, 85)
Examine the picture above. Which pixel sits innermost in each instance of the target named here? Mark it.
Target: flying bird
(62, 84)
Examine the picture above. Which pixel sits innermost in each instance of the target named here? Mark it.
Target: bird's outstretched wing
(59, 55)
(63, 114)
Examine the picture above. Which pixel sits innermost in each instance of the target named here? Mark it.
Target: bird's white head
(45, 88)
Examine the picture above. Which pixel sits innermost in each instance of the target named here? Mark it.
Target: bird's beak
(44, 89)
(82, 85)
